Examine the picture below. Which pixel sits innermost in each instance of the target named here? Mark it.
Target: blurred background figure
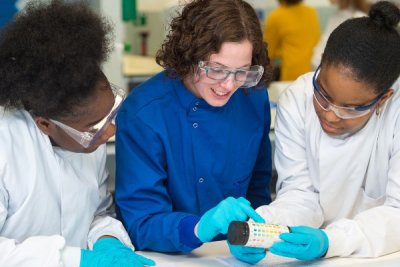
(291, 32)
(347, 9)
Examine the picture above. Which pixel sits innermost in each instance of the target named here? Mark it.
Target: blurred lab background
(141, 25)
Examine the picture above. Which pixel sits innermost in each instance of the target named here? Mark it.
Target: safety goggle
(342, 112)
(88, 138)
(244, 78)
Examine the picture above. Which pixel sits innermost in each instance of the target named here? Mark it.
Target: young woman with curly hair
(197, 133)
(57, 111)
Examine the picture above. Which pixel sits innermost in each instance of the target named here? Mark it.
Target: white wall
(112, 67)
(156, 5)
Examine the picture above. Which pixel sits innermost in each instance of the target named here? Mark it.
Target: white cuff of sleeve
(71, 256)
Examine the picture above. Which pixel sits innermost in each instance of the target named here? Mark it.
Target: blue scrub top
(177, 157)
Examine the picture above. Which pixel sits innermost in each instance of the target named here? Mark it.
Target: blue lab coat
(7, 11)
(177, 157)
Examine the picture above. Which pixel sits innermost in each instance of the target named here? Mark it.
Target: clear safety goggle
(342, 112)
(245, 78)
(88, 138)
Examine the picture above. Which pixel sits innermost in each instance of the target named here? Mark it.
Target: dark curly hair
(50, 58)
(368, 46)
(201, 29)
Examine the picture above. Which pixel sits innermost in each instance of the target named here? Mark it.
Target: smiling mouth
(219, 93)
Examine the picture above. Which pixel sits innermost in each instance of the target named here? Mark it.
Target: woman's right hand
(216, 220)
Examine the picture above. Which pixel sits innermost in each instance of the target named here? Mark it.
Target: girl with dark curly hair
(57, 112)
(339, 168)
(197, 133)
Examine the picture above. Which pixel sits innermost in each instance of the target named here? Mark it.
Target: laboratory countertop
(135, 65)
(217, 254)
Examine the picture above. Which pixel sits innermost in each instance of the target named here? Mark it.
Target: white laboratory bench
(216, 254)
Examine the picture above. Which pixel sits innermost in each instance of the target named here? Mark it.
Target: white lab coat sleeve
(71, 256)
(297, 202)
(35, 251)
(104, 222)
(372, 232)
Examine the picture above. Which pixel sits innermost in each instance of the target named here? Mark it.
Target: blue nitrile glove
(247, 254)
(302, 243)
(109, 252)
(216, 220)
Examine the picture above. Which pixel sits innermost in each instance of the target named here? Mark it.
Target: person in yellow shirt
(291, 32)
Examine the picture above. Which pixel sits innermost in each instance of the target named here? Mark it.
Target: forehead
(234, 54)
(97, 105)
(342, 87)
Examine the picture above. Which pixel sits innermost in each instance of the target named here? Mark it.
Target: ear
(43, 124)
(196, 73)
(384, 98)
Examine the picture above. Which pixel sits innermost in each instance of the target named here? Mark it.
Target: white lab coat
(49, 198)
(349, 187)
(334, 20)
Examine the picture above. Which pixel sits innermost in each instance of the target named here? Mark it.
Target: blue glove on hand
(216, 220)
(109, 252)
(247, 254)
(302, 243)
